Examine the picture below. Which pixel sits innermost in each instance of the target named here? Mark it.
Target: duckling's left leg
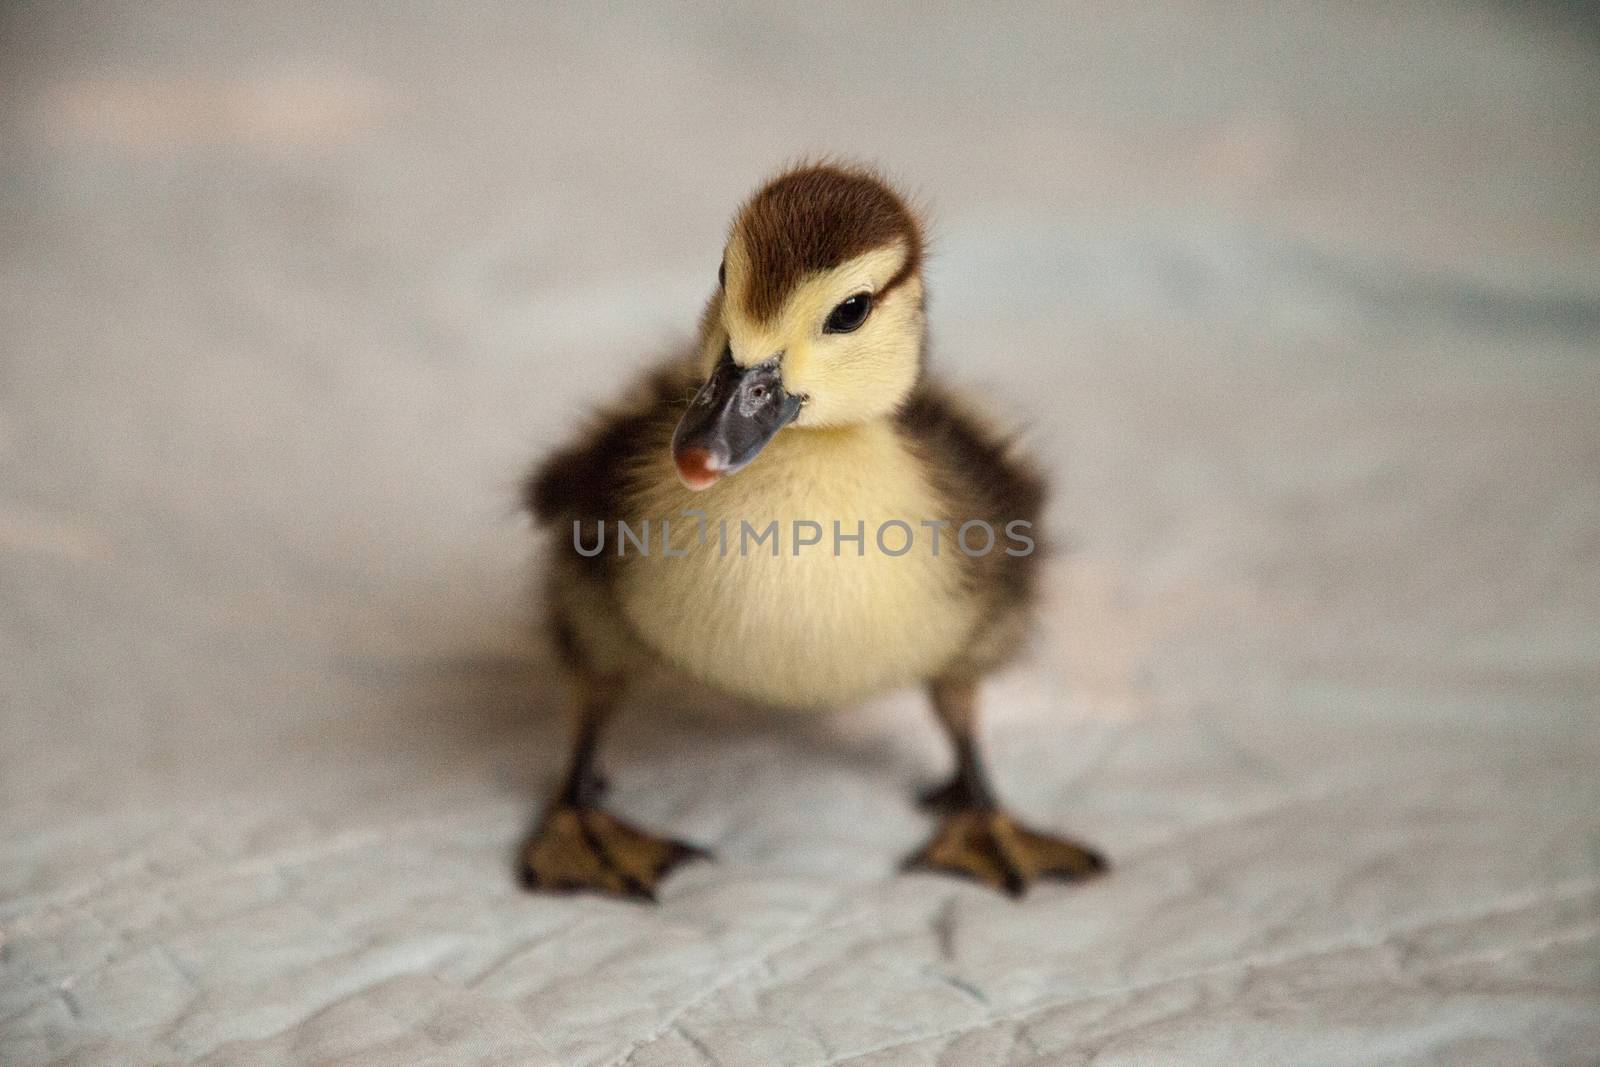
(978, 838)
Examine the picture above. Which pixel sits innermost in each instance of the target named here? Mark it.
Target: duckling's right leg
(577, 846)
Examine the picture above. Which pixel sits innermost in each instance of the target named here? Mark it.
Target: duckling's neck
(825, 472)
(839, 443)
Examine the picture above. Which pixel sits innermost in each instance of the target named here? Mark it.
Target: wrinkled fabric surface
(1300, 308)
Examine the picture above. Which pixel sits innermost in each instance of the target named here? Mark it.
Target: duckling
(858, 552)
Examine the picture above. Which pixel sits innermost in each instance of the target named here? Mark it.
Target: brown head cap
(816, 217)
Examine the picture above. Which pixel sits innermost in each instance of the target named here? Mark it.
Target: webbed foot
(988, 845)
(579, 848)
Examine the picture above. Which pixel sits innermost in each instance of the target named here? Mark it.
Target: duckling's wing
(980, 473)
(589, 478)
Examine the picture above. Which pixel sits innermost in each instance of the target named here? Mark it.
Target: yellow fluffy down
(806, 629)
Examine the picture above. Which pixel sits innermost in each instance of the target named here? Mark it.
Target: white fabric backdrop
(1302, 308)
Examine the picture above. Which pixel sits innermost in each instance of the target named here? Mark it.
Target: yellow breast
(744, 600)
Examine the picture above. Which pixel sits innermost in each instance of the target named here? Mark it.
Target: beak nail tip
(695, 469)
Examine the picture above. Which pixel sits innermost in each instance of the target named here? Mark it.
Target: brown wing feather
(589, 479)
(980, 475)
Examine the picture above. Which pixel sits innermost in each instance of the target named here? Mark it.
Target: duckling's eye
(849, 315)
(722, 275)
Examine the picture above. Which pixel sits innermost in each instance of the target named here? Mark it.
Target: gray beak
(731, 419)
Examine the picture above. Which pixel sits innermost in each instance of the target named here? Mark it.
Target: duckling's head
(817, 320)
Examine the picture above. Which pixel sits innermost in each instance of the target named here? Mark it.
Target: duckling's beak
(731, 418)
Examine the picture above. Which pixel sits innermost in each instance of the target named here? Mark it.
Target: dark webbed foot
(978, 838)
(578, 848)
(988, 845)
